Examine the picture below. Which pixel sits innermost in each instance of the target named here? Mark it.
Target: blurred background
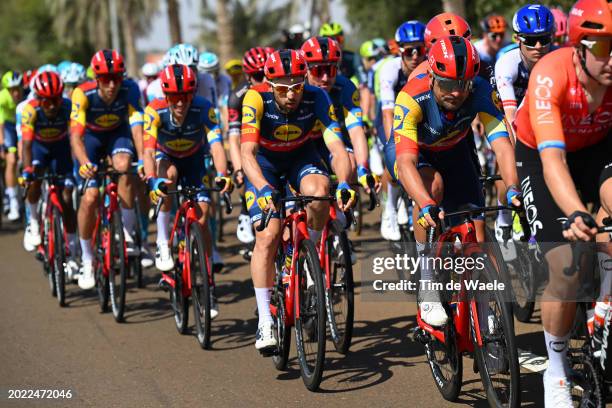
(34, 32)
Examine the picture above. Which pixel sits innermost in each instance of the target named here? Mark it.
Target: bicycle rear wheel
(118, 267)
(340, 295)
(102, 281)
(497, 357)
(59, 257)
(310, 325)
(282, 330)
(200, 285)
(135, 264)
(47, 239)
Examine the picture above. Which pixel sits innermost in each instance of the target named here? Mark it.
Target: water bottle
(599, 318)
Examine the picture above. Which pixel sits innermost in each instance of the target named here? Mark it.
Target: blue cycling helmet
(209, 62)
(185, 54)
(533, 19)
(63, 65)
(48, 68)
(74, 73)
(410, 31)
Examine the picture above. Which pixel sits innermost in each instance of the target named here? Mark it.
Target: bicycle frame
(103, 219)
(323, 255)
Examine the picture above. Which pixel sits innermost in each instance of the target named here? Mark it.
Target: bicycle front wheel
(118, 267)
(497, 356)
(59, 257)
(310, 325)
(200, 285)
(282, 329)
(340, 295)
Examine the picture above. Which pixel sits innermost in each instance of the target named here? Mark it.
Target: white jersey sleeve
(506, 72)
(154, 90)
(387, 80)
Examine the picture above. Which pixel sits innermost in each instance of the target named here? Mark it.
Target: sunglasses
(320, 70)
(448, 85)
(284, 89)
(49, 102)
(417, 51)
(599, 48)
(174, 98)
(531, 41)
(107, 78)
(495, 36)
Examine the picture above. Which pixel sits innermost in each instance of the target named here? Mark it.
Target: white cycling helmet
(185, 54)
(209, 62)
(150, 69)
(74, 73)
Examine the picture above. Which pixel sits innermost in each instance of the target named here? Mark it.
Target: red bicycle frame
(53, 201)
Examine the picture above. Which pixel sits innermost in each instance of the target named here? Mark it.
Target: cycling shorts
(191, 171)
(587, 167)
(294, 166)
(55, 156)
(10, 136)
(325, 154)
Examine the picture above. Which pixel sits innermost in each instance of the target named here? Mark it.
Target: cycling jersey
(234, 108)
(487, 61)
(555, 113)
(504, 50)
(391, 81)
(90, 112)
(35, 125)
(275, 131)
(511, 77)
(7, 107)
(223, 84)
(199, 129)
(419, 123)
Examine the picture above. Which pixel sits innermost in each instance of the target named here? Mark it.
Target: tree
(224, 31)
(174, 21)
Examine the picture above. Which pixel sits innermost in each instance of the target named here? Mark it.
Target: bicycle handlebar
(578, 247)
(191, 192)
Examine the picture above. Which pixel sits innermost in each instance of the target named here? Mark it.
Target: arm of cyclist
(151, 125)
(407, 153)
(505, 75)
(215, 142)
(234, 125)
(77, 133)
(252, 112)
(136, 122)
(28, 121)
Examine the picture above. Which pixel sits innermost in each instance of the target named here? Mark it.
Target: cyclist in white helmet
(209, 63)
(72, 74)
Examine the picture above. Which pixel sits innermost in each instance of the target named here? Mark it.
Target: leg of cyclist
(604, 246)
(61, 164)
(163, 256)
(31, 238)
(126, 188)
(11, 182)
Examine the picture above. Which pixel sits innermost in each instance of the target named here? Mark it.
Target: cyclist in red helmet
(493, 39)
(180, 130)
(277, 119)
(434, 160)
(45, 120)
(253, 67)
(323, 56)
(106, 120)
(564, 141)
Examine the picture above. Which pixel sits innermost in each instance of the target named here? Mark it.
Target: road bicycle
(192, 276)
(480, 321)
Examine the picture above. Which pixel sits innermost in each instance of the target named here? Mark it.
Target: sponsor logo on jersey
(180, 145)
(332, 113)
(50, 133)
(287, 133)
(212, 116)
(399, 114)
(250, 199)
(107, 120)
(248, 114)
(355, 97)
(496, 100)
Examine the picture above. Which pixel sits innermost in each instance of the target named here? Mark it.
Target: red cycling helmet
(321, 50)
(107, 62)
(494, 24)
(254, 60)
(178, 78)
(454, 57)
(446, 24)
(285, 63)
(269, 50)
(28, 76)
(560, 22)
(589, 18)
(48, 85)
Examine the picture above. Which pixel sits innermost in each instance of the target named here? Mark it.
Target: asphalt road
(144, 362)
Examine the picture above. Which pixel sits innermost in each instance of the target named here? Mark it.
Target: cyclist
(322, 56)
(534, 27)
(179, 131)
(564, 144)
(106, 120)
(410, 37)
(371, 52)
(253, 66)
(277, 119)
(233, 68)
(493, 29)
(44, 127)
(561, 27)
(72, 75)
(10, 95)
(209, 63)
(350, 66)
(434, 161)
(150, 71)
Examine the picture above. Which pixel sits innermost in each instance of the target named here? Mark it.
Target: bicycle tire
(492, 346)
(118, 269)
(307, 326)
(358, 214)
(341, 289)
(282, 330)
(135, 262)
(102, 281)
(59, 257)
(200, 285)
(48, 267)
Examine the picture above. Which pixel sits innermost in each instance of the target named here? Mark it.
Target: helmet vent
(441, 67)
(592, 25)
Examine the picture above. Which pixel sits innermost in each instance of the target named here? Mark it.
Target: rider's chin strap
(583, 63)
